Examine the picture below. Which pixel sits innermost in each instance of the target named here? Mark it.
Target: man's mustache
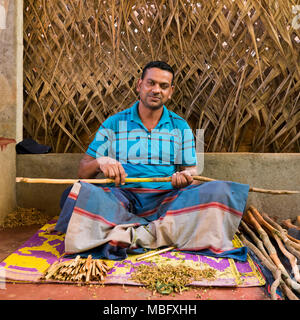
(155, 95)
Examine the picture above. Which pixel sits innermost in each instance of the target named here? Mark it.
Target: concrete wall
(45, 196)
(269, 171)
(10, 85)
(263, 170)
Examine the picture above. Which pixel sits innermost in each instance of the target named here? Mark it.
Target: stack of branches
(77, 270)
(262, 229)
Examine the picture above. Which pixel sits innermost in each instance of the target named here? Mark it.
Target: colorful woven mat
(29, 262)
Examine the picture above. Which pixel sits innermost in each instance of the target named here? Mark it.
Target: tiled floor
(11, 239)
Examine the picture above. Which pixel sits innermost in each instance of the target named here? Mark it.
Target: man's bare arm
(89, 167)
(183, 177)
(192, 169)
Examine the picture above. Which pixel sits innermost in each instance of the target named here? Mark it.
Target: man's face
(156, 88)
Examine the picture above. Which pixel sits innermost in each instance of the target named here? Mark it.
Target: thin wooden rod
(148, 255)
(159, 179)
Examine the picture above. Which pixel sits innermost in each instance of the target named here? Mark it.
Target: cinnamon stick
(158, 179)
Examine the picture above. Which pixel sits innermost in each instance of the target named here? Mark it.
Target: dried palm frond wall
(237, 66)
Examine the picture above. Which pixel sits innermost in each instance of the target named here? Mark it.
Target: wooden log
(269, 227)
(277, 274)
(264, 236)
(293, 239)
(288, 292)
(276, 283)
(292, 259)
(256, 240)
(266, 262)
(271, 249)
(294, 248)
(288, 223)
(298, 221)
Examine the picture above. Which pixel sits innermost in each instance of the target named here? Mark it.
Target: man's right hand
(112, 169)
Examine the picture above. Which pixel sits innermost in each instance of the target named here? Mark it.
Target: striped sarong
(111, 222)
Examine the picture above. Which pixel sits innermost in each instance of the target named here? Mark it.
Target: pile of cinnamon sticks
(262, 229)
(77, 270)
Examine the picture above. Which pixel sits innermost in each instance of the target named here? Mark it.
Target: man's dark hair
(160, 65)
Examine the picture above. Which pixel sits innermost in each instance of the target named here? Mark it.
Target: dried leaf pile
(168, 278)
(77, 270)
(24, 217)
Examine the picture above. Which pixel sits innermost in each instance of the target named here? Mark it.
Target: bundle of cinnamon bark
(77, 270)
(267, 238)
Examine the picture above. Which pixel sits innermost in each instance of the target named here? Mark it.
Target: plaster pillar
(11, 88)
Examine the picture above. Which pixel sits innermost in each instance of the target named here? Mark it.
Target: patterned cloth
(115, 221)
(30, 261)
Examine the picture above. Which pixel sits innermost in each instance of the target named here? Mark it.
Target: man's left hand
(182, 179)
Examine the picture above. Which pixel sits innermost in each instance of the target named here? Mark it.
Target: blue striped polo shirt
(144, 153)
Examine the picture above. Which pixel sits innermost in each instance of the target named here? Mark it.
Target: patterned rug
(29, 262)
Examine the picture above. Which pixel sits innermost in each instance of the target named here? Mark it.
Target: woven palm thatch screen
(237, 65)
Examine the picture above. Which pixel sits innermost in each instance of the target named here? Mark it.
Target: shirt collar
(136, 118)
